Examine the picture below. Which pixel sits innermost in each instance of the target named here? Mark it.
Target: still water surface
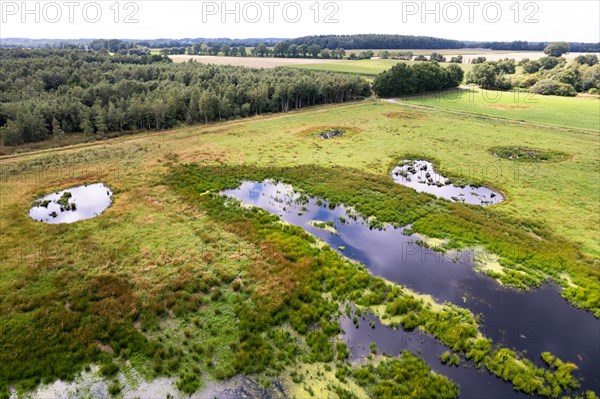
(85, 202)
(530, 322)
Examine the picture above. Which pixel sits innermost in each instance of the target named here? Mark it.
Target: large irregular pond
(530, 322)
(72, 205)
(474, 383)
(421, 176)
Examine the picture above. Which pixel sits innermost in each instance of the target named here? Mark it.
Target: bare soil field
(250, 62)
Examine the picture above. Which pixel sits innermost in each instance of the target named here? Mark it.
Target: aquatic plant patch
(528, 154)
(324, 274)
(380, 200)
(329, 132)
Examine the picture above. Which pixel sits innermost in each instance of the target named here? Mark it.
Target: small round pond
(420, 176)
(72, 205)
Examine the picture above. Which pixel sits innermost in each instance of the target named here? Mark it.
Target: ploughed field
(175, 288)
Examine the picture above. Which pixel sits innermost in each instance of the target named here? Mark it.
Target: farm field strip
(250, 62)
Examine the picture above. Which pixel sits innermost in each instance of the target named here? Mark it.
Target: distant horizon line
(281, 38)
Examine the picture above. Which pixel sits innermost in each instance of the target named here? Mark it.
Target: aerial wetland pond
(72, 205)
(530, 322)
(421, 176)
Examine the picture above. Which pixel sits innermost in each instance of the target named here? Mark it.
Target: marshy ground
(159, 281)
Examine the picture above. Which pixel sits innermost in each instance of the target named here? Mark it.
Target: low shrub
(550, 87)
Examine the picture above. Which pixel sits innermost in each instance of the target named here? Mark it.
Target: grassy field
(360, 67)
(162, 254)
(449, 137)
(581, 112)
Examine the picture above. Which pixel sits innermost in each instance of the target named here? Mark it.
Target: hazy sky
(146, 19)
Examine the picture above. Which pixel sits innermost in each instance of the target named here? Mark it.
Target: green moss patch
(528, 154)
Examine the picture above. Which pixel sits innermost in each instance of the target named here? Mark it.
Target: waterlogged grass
(519, 244)
(577, 112)
(321, 381)
(526, 154)
(561, 196)
(181, 285)
(404, 377)
(319, 280)
(116, 288)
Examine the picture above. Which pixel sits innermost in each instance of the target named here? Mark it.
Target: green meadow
(582, 112)
(179, 283)
(361, 67)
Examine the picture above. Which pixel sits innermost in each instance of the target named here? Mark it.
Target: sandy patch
(250, 62)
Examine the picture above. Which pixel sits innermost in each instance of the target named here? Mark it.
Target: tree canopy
(68, 91)
(374, 41)
(403, 79)
(557, 49)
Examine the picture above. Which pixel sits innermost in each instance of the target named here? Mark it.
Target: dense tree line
(519, 45)
(373, 41)
(134, 55)
(395, 55)
(118, 44)
(53, 92)
(403, 79)
(281, 50)
(115, 45)
(348, 42)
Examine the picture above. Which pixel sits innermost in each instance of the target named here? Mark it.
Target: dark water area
(474, 383)
(530, 322)
(82, 202)
(420, 176)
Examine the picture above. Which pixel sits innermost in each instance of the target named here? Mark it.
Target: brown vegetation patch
(502, 107)
(405, 115)
(111, 297)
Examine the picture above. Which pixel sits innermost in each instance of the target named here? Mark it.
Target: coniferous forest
(52, 92)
